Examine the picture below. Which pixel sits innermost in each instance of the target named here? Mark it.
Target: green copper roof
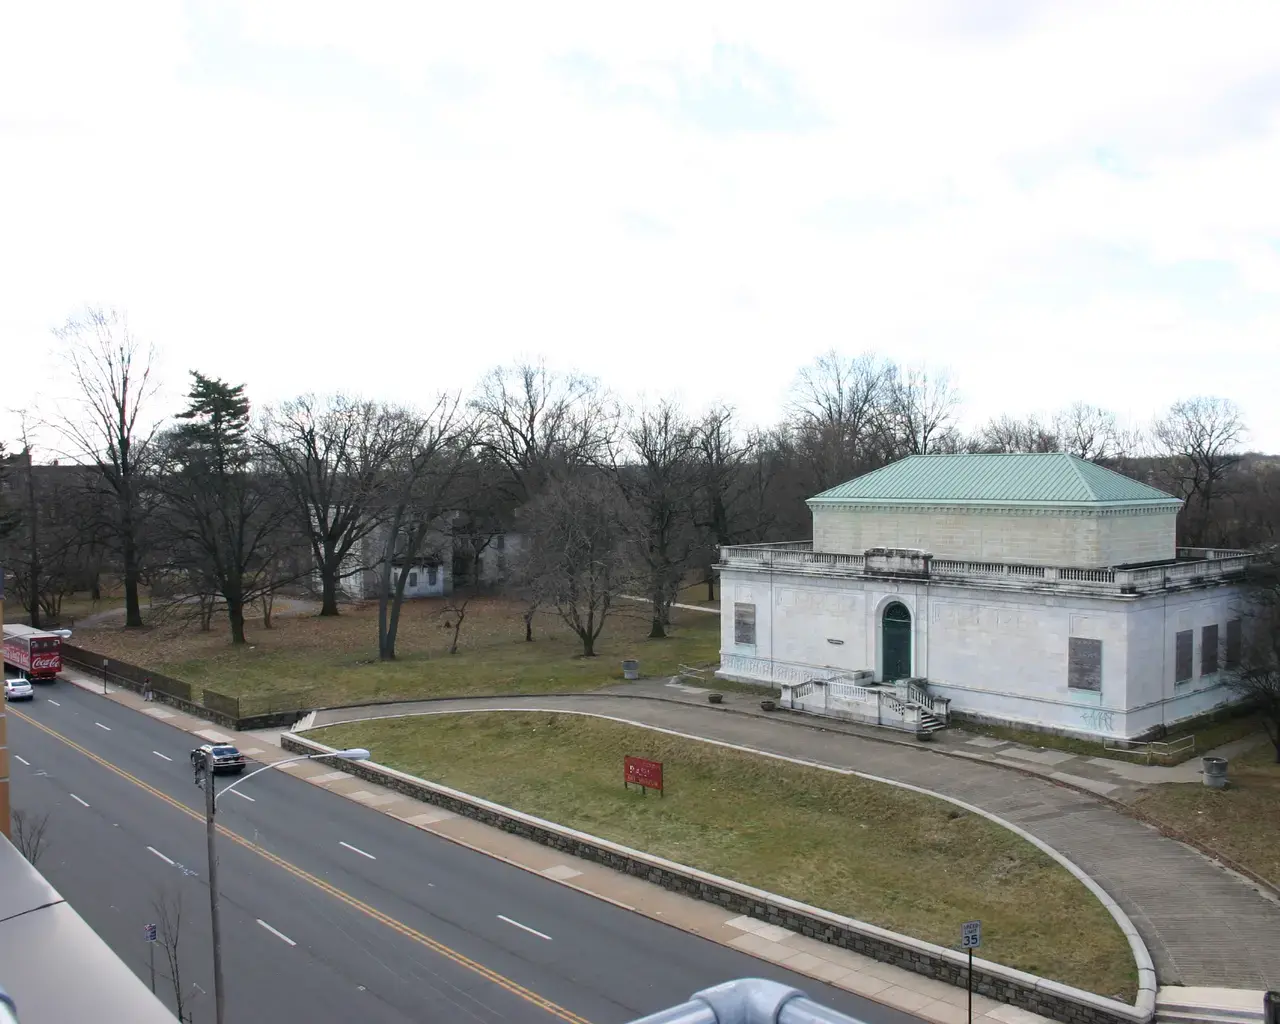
(1031, 479)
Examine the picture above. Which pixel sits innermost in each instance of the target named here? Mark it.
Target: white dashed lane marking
(165, 756)
(101, 726)
(82, 803)
(356, 849)
(18, 757)
(524, 927)
(279, 935)
(162, 856)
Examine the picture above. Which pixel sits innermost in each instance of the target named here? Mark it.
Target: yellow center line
(411, 933)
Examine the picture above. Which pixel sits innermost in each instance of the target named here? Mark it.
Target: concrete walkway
(1119, 777)
(1205, 926)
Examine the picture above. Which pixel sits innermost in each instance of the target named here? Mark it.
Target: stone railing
(800, 558)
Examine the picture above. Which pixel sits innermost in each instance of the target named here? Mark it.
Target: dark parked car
(226, 758)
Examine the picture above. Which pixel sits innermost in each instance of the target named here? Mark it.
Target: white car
(18, 689)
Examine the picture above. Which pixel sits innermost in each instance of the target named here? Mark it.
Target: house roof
(1050, 479)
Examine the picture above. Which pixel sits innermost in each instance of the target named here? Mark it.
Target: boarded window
(744, 624)
(1084, 664)
(1232, 653)
(413, 579)
(431, 575)
(1182, 645)
(1209, 650)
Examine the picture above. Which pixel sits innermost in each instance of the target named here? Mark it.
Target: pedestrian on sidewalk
(146, 689)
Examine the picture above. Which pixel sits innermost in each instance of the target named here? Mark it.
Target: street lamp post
(211, 831)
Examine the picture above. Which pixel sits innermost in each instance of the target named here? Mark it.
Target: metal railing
(1152, 748)
(749, 1001)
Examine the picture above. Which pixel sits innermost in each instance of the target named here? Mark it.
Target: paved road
(386, 918)
(1204, 926)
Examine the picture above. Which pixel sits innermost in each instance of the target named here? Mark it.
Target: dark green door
(896, 642)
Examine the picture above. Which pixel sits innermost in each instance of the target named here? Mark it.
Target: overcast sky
(1057, 201)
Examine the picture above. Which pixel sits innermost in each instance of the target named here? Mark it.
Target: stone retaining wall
(1039, 995)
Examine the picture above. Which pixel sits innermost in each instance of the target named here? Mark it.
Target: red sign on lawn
(644, 773)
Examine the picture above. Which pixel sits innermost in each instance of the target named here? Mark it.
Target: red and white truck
(36, 652)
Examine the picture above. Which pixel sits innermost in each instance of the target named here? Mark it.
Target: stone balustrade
(1195, 565)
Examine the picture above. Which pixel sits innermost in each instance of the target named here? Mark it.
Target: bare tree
(452, 614)
(28, 834)
(336, 455)
(721, 458)
(113, 373)
(921, 412)
(1200, 440)
(534, 421)
(436, 449)
(168, 911)
(655, 476)
(1006, 435)
(579, 551)
(836, 412)
(524, 582)
(1256, 678)
(1093, 433)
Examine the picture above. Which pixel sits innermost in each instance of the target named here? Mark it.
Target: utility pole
(211, 832)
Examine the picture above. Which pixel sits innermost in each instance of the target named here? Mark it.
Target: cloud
(1058, 201)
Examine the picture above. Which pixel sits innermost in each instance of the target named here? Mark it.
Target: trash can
(630, 669)
(1215, 772)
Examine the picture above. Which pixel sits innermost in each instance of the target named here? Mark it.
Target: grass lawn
(897, 859)
(319, 662)
(1241, 822)
(1210, 731)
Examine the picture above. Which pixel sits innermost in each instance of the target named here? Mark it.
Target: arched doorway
(896, 642)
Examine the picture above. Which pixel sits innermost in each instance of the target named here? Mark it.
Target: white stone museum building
(1032, 589)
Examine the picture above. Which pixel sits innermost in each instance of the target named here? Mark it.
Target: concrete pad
(1007, 1014)
(903, 998)
(827, 971)
(561, 872)
(212, 736)
(803, 962)
(159, 713)
(1235, 999)
(372, 799)
(745, 923)
(328, 777)
(759, 946)
(430, 817)
(987, 741)
(1092, 785)
(773, 932)
(1039, 756)
(865, 984)
(944, 1013)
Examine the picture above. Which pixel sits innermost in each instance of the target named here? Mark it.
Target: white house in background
(1028, 589)
(428, 575)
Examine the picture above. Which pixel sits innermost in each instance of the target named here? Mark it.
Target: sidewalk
(932, 1000)
(1116, 778)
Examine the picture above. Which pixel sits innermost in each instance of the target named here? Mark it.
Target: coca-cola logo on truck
(41, 662)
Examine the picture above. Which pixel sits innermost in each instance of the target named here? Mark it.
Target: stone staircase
(905, 706)
(1177, 1005)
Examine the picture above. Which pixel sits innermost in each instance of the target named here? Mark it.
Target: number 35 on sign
(971, 935)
